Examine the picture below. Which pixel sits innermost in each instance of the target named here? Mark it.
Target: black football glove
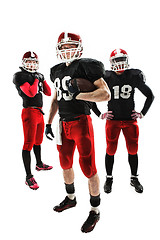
(39, 76)
(48, 131)
(73, 89)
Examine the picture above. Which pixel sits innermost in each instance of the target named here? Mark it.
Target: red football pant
(130, 130)
(78, 133)
(33, 127)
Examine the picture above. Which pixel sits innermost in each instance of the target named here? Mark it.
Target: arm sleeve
(46, 88)
(95, 109)
(147, 92)
(30, 90)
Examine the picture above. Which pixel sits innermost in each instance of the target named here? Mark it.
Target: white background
(103, 26)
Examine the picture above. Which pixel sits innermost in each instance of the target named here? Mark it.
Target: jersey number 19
(125, 92)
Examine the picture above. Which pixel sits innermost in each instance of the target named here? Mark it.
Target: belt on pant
(69, 119)
(37, 109)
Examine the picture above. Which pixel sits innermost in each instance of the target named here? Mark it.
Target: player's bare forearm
(102, 93)
(53, 108)
(98, 95)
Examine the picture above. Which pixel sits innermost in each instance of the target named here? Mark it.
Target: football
(84, 85)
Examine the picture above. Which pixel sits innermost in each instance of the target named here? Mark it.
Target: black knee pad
(70, 188)
(95, 200)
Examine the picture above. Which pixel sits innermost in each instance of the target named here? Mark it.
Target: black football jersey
(19, 79)
(122, 89)
(86, 68)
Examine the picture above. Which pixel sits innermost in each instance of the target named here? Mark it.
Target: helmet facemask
(30, 65)
(70, 54)
(119, 64)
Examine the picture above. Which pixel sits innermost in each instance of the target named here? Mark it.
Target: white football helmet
(119, 60)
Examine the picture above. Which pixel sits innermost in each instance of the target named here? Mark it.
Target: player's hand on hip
(108, 115)
(48, 132)
(136, 115)
(73, 90)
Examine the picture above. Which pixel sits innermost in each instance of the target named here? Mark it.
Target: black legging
(26, 155)
(132, 159)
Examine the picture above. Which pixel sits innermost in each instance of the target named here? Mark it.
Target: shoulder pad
(93, 68)
(108, 73)
(134, 71)
(19, 78)
(90, 61)
(55, 67)
(140, 75)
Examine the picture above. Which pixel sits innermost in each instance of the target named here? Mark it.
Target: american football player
(30, 85)
(76, 125)
(121, 114)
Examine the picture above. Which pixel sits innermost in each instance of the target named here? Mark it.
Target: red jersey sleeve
(30, 90)
(46, 88)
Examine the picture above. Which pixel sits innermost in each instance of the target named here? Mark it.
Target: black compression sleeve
(95, 109)
(149, 95)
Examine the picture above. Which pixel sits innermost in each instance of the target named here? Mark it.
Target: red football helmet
(69, 54)
(30, 61)
(119, 60)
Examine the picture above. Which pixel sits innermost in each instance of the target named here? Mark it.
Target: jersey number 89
(62, 91)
